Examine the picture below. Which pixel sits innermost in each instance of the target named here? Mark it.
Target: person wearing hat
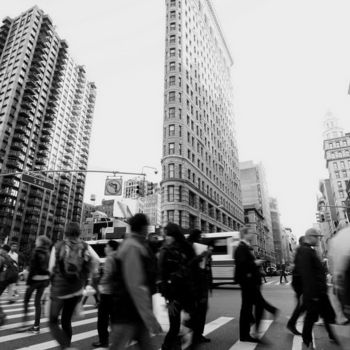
(314, 287)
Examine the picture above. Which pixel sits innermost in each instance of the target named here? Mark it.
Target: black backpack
(9, 270)
(345, 291)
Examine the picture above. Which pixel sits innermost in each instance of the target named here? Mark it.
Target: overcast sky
(291, 65)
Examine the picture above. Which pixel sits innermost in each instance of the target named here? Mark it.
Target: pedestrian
(71, 264)
(38, 279)
(134, 282)
(8, 274)
(262, 271)
(177, 269)
(247, 274)
(203, 283)
(314, 288)
(283, 273)
(105, 287)
(339, 259)
(12, 288)
(298, 289)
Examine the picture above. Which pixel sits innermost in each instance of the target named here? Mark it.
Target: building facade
(46, 111)
(255, 192)
(200, 176)
(276, 230)
(336, 146)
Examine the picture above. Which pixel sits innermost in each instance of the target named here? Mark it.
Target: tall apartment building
(255, 192)
(200, 184)
(276, 230)
(46, 111)
(336, 146)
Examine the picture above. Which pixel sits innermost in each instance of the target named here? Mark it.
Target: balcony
(8, 192)
(32, 220)
(46, 132)
(18, 146)
(14, 164)
(45, 139)
(44, 145)
(36, 194)
(35, 203)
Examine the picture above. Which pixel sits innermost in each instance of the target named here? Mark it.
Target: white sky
(291, 65)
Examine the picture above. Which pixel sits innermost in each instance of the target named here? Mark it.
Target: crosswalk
(223, 330)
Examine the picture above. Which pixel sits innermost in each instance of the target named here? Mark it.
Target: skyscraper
(255, 192)
(46, 111)
(276, 230)
(200, 183)
(336, 146)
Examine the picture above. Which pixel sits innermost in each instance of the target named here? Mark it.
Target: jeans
(103, 317)
(123, 333)
(67, 306)
(39, 286)
(3, 286)
(283, 274)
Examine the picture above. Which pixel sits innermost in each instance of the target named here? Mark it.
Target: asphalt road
(222, 324)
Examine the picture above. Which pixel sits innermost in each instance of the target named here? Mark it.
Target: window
(180, 131)
(342, 165)
(172, 39)
(171, 130)
(335, 165)
(172, 66)
(172, 52)
(171, 149)
(172, 96)
(172, 112)
(340, 184)
(172, 80)
(337, 176)
(344, 173)
(171, 170)
(173, 26)
(170, 215)
(180, 171)
(180, 193)
(170, 193)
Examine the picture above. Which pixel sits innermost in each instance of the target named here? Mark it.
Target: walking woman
(38, 279)
(177, 276)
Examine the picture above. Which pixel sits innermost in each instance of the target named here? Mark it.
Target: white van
(223, 246)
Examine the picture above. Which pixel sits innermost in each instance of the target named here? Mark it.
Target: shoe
(250, 339)
(34, 329)
(98, 344)
(203, 339)
(293, 329)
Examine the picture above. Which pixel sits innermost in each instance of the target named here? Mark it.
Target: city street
(222, 324)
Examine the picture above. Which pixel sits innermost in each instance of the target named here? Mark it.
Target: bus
(223, 246)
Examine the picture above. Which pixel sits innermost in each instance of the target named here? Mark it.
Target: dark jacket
(313, 278)
(178, 266)
(296, 276)
(133, 279)
(39, 264)
(247, 272)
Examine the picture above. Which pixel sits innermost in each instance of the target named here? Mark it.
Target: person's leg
(103, 318)
(246, 312)
(143, 338)
(285, 277)
(296, 312)
(310, 318)
(121, 335)
(37, 303)
(174, 311)
(29, 291)
(69, 306)
(57, 333)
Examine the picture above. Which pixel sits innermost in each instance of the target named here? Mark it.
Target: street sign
(37, 182)
(114, 186)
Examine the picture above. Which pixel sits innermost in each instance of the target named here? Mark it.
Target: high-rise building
(336, 146)
(276, 230)
(200, 184)
(255, 192)
(46, 111)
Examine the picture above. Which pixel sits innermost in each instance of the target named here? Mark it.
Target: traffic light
(320, 217)
(139, 189)
(150, 187)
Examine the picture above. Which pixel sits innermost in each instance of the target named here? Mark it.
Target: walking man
(12, 288)
(106, 292)
(134, 281)
(248, 276)
(314, 288)
(298, 289)
(283, 273)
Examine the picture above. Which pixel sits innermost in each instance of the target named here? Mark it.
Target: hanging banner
(114, 186)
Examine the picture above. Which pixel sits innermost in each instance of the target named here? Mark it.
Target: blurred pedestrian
(12, 288)
(247, 274)
(8, 274)
(105, 287)
(203, 283)
(177, 266)
(339, 258)
(298, 289)
(262, 271)
(134, 282)
(71, 264)
(38, 279)
(314, 288)
(283, 273)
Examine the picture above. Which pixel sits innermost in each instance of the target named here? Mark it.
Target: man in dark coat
(248, 276)
(314, 287)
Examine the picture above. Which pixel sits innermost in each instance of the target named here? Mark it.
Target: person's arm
(135, 281)
(52, 261)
